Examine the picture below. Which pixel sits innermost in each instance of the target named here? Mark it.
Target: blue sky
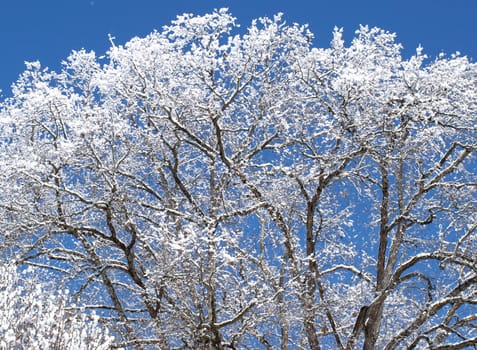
(47, 30)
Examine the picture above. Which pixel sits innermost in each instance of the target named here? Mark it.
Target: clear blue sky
(47, 30)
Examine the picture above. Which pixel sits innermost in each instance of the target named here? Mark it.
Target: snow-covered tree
(34, 316)
(207, 187)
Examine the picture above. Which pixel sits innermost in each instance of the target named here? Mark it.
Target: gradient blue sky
(47, 30)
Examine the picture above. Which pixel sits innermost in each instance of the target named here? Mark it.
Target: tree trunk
(372, 325)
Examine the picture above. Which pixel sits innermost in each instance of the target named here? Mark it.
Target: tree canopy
(208, 187)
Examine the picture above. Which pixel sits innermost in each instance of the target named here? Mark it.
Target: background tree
(32, 316)
(205, 189)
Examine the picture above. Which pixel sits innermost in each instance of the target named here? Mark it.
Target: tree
(206, 188)
(32, 317)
